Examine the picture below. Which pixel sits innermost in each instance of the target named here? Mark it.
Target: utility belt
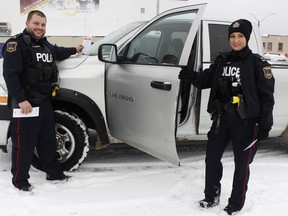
(37, 98)
(236, 103)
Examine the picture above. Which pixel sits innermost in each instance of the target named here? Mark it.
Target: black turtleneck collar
(240, 54)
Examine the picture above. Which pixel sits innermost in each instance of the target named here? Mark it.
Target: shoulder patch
(11, 46)
(267, 72)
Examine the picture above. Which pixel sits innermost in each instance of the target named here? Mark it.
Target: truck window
(162, 42)
(218, 35)
(219, 41)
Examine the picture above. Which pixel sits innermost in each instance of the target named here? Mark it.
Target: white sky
(230, 9)
(111, 15)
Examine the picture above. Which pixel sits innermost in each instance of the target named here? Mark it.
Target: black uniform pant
(28, 133)
(241, 133)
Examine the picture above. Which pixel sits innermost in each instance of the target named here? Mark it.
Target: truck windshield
(115, 36)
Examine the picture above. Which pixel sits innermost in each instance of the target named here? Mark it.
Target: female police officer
(241, 103)
(29, 71)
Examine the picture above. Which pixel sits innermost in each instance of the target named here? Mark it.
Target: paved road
(184, 149)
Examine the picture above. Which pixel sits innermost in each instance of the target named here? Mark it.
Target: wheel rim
(65, 143)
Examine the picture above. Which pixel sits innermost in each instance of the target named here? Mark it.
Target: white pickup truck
(136, 96)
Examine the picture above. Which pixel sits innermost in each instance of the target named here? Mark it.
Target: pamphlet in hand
(87, 42)
(17, 113)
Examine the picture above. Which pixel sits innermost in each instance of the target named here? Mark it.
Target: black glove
(262, 134)
(185, 73)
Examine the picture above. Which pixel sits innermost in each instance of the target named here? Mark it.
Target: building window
(269, 46)
(264, 45)
(280, 47)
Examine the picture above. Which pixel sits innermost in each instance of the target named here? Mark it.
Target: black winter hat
(241, 25)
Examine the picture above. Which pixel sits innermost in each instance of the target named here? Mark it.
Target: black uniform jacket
(257, 84)
(18, 57)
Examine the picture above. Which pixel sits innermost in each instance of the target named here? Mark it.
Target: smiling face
(36, 26)
(237, 41)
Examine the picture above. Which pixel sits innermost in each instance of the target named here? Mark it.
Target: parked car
(275, 57)
(5, 29)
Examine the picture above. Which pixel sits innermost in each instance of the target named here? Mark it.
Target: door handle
(161, 85)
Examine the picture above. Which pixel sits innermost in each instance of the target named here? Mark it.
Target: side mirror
(107, 53)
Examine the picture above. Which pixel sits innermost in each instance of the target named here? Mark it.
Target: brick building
(275, 44)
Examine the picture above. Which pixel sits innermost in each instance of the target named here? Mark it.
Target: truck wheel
(72, 142)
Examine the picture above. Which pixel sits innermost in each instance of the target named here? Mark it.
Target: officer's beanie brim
(243, 26)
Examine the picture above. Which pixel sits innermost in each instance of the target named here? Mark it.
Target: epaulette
(14, 37)
(260, 58)
(18, 35)
(222, 55)
(26, 38)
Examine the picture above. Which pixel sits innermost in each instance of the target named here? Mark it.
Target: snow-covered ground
(136, 184)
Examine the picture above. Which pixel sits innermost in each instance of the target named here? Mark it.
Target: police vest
(42, 68)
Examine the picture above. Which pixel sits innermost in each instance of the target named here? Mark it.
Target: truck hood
(76, 60)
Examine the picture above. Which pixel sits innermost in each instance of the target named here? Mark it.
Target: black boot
(26, 187)
(62, 178)
(230, 209)
(209, 202)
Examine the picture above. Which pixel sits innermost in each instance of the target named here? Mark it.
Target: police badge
(236, 25)
(11, 46)
(267, 72)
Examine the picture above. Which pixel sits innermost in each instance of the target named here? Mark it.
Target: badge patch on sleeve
(11, 46)
(267, 72)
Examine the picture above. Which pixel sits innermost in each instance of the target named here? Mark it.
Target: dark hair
(37, 12)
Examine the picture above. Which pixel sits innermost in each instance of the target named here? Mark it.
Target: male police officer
(29, 71)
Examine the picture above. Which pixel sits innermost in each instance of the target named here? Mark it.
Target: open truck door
(142, 85)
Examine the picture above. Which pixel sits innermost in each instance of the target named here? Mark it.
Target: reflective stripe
(18, 154)
(247, 167)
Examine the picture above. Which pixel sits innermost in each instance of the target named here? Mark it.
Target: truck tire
(72, 142)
